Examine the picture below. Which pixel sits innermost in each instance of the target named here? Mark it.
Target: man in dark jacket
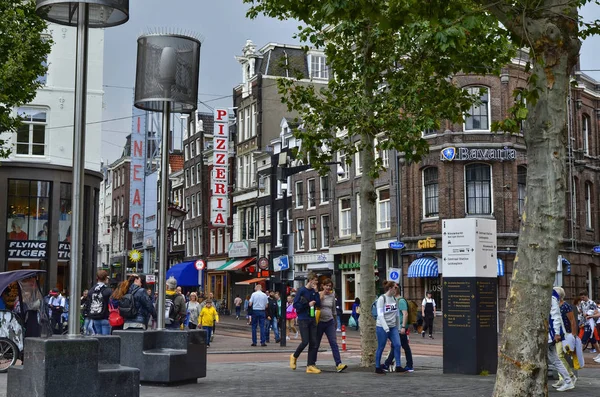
(306, 302)
(272, 317)
(175, 309)
(97, 304)
(142, 302)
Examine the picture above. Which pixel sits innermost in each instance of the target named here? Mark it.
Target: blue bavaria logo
(449, 153)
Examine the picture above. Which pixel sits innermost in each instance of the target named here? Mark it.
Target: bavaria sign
(484, 154)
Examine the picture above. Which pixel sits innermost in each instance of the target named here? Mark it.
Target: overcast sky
(224, 29)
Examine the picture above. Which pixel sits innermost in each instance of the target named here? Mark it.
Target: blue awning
(500, 267)
(185, 273)
(423, 267)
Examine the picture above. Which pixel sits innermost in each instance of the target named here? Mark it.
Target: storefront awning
(500, 267)
(251, 281)
(236, 264)
(423, 267)
(185, 273)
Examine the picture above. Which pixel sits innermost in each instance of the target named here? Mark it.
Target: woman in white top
(387, 325)
(428, 313)
(193, 308)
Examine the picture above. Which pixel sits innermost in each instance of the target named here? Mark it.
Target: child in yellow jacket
(208, 317)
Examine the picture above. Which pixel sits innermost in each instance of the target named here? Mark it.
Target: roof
(283, 61)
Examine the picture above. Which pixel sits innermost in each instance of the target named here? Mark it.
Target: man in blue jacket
(306, 302)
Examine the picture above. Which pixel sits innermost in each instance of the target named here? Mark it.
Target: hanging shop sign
(482, 154)
(136, 171)
(220, 171)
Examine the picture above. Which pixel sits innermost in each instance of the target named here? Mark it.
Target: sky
(225, 29)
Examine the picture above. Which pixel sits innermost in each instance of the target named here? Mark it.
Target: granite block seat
(165, 356)
(60, 366)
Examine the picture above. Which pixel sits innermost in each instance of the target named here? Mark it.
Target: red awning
(251, 281)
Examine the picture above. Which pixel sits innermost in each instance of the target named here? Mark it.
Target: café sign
(427, 243)
(483, 154)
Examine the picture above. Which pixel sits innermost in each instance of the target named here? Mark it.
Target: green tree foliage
(391, 64)
(23, 51)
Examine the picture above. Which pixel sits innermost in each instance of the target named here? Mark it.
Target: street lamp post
(285, 249)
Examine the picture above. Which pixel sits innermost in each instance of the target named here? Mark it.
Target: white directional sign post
(469, 247)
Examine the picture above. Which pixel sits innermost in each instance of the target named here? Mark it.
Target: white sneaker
(558, 384)
(597, 357)
(573, 380)
(597, 360)
(287, 338)
(566, 386)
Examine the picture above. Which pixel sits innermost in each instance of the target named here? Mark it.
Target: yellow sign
(135, 256)
(427, 243)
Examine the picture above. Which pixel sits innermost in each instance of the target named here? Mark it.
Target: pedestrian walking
(258, 303)
(97, 301)
(387, 326)
(428, 313)
(248, 310)
(328, 323)
(306, 302)
(556, 333)
(570, 327)
(208, 318)
(193, 308)
(136, 306)
(356, 311)
(290, 318)
(272, 314)
(238, 306)
(403, 334)
(174, 305)
(117, 320)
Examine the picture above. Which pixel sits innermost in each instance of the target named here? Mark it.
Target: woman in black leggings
(428, 313)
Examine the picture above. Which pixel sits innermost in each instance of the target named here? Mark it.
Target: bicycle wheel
(9, 353)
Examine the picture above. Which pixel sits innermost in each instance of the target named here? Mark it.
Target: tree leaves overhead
(22, 53)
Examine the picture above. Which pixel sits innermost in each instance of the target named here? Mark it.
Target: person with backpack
(97, 300)
(175, 311)
(387, 317)
(136, 306)
(404, 321)
(115, 319)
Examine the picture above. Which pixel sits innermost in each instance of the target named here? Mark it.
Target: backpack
(114, 317)
(170, 309)
(374, 307)
(127, 307)
(96, 303)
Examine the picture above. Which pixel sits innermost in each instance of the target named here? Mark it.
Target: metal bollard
(343, 338)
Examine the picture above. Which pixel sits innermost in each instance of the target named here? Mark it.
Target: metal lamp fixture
(166, 81)
(84, 14)
(176, 216)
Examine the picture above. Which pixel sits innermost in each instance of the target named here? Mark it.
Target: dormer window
(318, 67)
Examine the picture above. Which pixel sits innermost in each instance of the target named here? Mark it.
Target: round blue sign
(394, 275)
(597, 249)
(396, 245)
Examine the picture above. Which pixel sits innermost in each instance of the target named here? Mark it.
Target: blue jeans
(382, 338)
(407, 353)
(102, 327)
(328, 328)
(258, 320)
(208, 330)
(339, 322)
(238, 310)
(88, 326)
(272, 323)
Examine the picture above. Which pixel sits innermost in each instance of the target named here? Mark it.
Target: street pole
(78, 168)
(284, 248)
(397, 257)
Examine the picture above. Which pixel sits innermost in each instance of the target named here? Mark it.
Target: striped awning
(500, 267)
(237, 264)
(424, 267)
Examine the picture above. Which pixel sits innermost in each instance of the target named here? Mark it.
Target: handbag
(114, 318)
(352, 322)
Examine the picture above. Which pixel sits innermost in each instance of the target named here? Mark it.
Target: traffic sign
(281, 263)
(396, 245)
(394, 274)
(597, 249)
(200, 264)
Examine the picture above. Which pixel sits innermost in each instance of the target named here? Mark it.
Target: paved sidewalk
(276, 378)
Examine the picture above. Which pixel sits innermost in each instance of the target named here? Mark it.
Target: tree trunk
(368, 228)
(522, 364)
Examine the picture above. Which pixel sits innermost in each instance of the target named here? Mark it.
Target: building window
(383, 209)
(324, 231)
(479, 181)
(358, 160)
(31, 135)
(240, 124)
(28, 209)
(261, 221)
(299, 194)
(187, 178)
(195, 242)
(247, 160)
(300, 234)
(268, 219)
(345, 217)
(312, 232)
(187, 205)
(358, 214)
(521, 188)
(186, 153)
(220, 241)
(213, 242)
(193, 206)
(341, 158)
(324, 189)
(193, 150)
(198, 172)
(253, 122)
(240, 172)
(318, 67)
(585, 132)
(311, 193)
(477, 119)
(247, 121)
(250, 223)
(431, 192)
(279, 227)
(588, 205)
